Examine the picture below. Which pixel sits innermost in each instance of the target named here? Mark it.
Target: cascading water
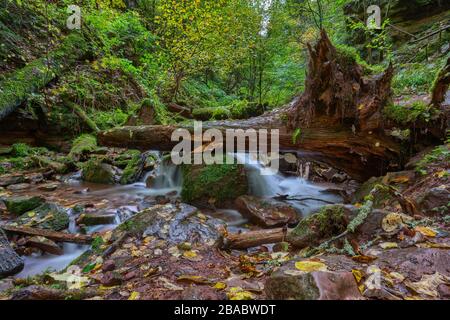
(275, 184)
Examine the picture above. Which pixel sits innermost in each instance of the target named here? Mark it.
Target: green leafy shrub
(408, 114)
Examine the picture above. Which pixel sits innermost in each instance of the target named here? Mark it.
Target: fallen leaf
(358, 275)
(388, 245)
(428, 284)
(194, 279)
(427, 232)
(169, 285)
(310, 266)
(220, 286)
(364, 259)
(237, 293)
(134, 295)
(394, 222)
(192, 255)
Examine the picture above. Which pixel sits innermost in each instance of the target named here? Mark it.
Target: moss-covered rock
(327, 222)
(206, 184)
(19, 205)
(83, 145)
(134, 169)
(96, 171)
(47, 216)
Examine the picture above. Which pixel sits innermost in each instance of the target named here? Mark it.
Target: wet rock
(267, 213)
(175, 223)
(111, 279)
(150, 181)
(56, 166)
(435, 202)
(18, 187)
(10, 262)
(10, 179)
(45, 245)
(49, 187)
(134, 169)
(20, 205)
(82, 146)
(47, 216)
(206, 185)
(292, 284)
(96, 171)
(96, 219)
(202, 293)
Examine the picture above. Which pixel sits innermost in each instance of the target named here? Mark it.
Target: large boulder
(96, 171)
(10, 262)
(289, 283)
(266, 212)
(206, 185)
(20, 205)
(134, 168)
(47, 216)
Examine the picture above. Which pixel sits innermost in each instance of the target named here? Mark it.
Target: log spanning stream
(124, 201)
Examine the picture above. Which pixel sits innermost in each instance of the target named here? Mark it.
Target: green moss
(133, 169)
(84, 144)
(211, 113)
(20, 150)
(350, 55)
(97, 172)
(218, 182)
(409, 114)
(20, 205)
(439, 154)
(47, 216)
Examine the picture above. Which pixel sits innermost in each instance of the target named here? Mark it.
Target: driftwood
(252, 239)
(52, 235)
(338, 119)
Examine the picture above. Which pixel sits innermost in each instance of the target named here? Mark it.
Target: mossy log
(15, 89)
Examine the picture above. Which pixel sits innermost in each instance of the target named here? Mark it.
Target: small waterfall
(166, 177)
(278, 184)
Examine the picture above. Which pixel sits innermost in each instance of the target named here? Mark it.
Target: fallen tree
(52, 235)
(338, 119)
(16, 88)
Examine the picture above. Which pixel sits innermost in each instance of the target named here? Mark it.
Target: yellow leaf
(220, 286)
(31, 214)
(389, 245)
(428, 232)
(358, 275)
(134, 295)
(192, 255)
(237, 293)
(194, 279)
(310, 266)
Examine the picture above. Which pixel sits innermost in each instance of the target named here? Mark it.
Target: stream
(124, 201)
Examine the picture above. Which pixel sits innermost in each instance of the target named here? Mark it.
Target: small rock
(434, 202)
(108, 265)
(111, 279)
(10, 179)
(320, 285)
(96, 171)
(96, 219)
(47, 216)
(130, 275)
(45, 245)
(49, 187)
(267, 213)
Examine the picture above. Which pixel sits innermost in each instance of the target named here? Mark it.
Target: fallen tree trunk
(338, 119)
(15, 89)
(52, 235)
(252, 239)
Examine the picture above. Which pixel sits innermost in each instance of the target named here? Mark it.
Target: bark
(338, 119)
(441, 85)
(252, 239)
(53, 235)
(16, 88)
(183, 111)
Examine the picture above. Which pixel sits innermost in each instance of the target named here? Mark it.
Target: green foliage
(84, 144)
(439, 154)
(409, 114)
(350, 55)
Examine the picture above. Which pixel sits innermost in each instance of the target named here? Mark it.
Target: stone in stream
(10, 262)
(287, 283)
(20, 205)
(266, 212)
(47, 216)
(18, 187)
(9, 179)
(89, 219)
(134, 168)
(49, 187)
(45, 245)
(206, 185)
(96, 171)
